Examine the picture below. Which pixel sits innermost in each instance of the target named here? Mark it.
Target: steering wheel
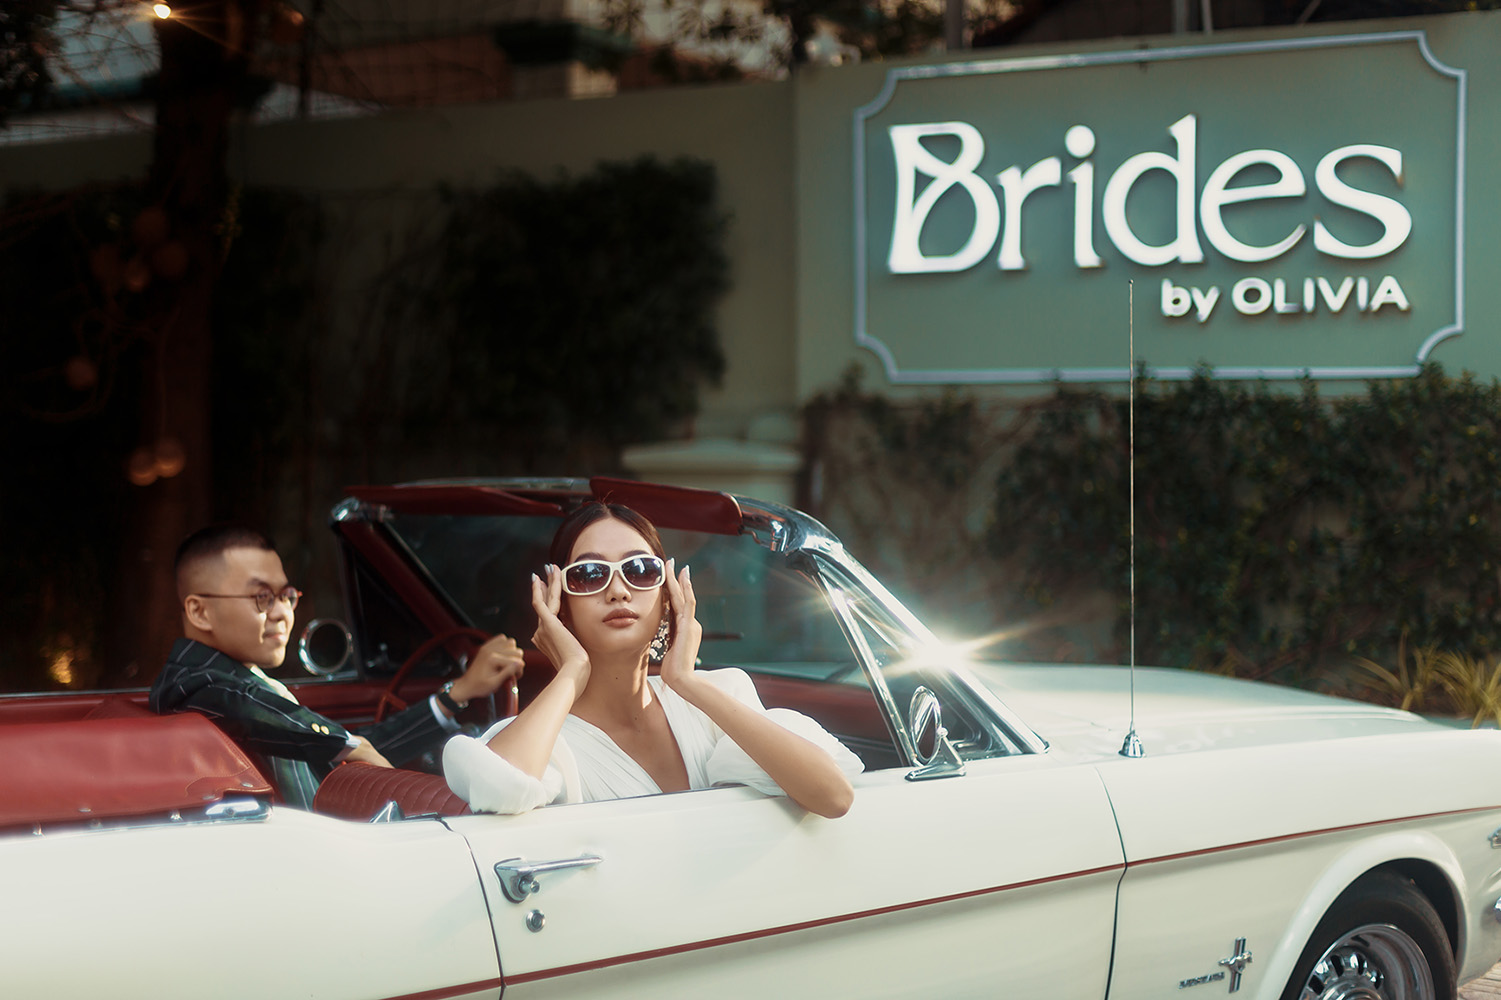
(389, 701)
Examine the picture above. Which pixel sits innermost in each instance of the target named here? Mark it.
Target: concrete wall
(377, 169)
(784, 156)
(743, 130)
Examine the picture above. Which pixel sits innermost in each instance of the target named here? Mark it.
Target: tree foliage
(546, 324)
(26, 44)
(1278, 534)
(581, 309)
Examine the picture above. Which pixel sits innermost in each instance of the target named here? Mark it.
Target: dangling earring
(660, 642)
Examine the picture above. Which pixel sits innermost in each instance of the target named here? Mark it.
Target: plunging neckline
(658, 687)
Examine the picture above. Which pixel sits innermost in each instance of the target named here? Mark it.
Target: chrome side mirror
(925, 724)
(325, 646)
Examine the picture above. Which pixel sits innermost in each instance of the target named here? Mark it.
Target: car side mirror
(325, 646)
(925, 724)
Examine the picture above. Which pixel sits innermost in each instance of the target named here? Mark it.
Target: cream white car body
(1056, 870)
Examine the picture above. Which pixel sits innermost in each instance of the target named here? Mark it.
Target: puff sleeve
(728, 764)
(490, 783)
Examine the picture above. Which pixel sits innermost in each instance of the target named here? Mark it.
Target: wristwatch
(448, 701)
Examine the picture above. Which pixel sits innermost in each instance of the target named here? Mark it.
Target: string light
(161, 10)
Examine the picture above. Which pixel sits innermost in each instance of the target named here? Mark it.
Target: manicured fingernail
(534, 578)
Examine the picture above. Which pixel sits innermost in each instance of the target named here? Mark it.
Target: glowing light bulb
(169, 458)
(161, 10)
(141, 468)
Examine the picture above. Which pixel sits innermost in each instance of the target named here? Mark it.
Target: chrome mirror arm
(944, 762)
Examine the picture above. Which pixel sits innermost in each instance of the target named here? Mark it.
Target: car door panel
(1009, 871)
(1264, 865)
(295, 905)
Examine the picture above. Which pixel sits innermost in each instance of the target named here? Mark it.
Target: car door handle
(518, 879)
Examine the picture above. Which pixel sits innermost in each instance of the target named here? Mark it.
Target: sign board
(1271, 209)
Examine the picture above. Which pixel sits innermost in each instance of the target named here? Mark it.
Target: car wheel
(1381, 940)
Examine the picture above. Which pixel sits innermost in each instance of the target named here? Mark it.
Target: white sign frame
(898, 375)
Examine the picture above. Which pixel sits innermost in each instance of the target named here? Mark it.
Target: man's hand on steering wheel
(497, 663)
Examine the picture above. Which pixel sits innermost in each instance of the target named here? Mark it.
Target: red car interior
(128, 765)
(99, 755)
(359, 791)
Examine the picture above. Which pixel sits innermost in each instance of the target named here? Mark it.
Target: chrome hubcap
(1374, 962)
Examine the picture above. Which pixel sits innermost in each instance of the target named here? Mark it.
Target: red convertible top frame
(678, 507)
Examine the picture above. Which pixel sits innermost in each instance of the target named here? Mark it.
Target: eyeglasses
(263, 598)
(590, 576)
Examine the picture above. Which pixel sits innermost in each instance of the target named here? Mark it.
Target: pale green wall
(742, 129)
(784, 157)
(375, 170)
(1473, 41)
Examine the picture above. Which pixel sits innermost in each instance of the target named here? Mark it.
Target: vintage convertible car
(1268, 842)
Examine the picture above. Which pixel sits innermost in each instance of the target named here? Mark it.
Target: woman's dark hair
(561, 553)
(563, 540)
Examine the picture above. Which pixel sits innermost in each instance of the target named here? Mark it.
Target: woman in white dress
(603, 728)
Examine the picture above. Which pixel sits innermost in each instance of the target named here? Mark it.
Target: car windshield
(799, 623)
(759, 609)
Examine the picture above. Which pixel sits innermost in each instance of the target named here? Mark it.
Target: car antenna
(1132, 746)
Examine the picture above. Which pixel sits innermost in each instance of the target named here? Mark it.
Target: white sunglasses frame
(615, 569)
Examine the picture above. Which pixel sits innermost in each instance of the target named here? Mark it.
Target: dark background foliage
(538, 328)
(1276, 533)
(64, 433)
(1279, 534)
(580, 310)
(25, 43)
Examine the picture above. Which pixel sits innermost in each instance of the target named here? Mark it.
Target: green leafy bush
(581, 309)
(526, 327)
(1278, 534)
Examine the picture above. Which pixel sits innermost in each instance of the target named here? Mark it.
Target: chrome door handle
(518, 879)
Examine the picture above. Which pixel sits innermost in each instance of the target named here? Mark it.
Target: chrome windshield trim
(895, 719)
(1005, 725)
(1018, 730)
(236, 809)
(348, 509)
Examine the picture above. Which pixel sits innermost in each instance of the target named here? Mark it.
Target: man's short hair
(212, 541)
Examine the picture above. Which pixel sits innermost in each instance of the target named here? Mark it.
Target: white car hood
(1087, 709)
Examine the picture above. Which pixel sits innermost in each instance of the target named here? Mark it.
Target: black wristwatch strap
(446, 700)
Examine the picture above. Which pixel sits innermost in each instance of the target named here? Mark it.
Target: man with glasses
(237, 615)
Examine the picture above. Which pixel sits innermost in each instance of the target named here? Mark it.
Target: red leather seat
(119, 708)
(359, 791)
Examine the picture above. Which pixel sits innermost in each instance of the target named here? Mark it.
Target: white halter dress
(587, 766)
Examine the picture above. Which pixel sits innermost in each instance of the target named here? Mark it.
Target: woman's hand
(807, 774)
(682, 655)
(552, 637)
(528, 741)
